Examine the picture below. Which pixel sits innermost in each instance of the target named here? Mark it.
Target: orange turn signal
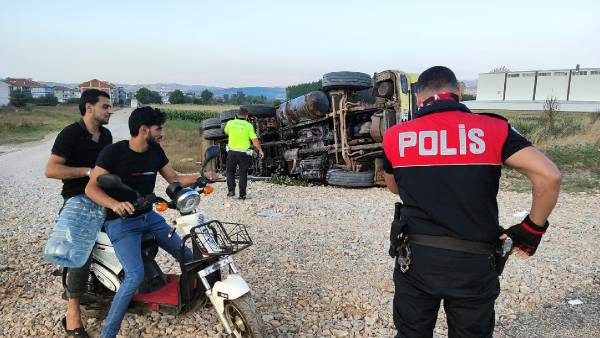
(161, 206)
(208, 190)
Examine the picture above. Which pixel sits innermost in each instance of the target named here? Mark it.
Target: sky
(230, 43)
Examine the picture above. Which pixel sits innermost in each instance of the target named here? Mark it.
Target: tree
(145, 96)
(300, 89)
(47, 100)
(206, 96)
(18, 98)
(176, 97)
(226, 98)
(501, 69)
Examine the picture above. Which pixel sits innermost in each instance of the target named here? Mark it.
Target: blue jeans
(126, 237)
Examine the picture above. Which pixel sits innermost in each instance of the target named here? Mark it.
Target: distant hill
(270, 93)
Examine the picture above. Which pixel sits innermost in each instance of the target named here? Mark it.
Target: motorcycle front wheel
(243, 317)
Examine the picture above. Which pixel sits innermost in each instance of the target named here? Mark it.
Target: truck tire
(211, 123)
(346, 80)
(260, 110)
(228, 115)
(214, 134)
(350, 179)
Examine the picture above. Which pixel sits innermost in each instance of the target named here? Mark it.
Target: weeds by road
(32, 123)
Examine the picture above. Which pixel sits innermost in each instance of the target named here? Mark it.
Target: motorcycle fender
(105, 276)
(233, 287)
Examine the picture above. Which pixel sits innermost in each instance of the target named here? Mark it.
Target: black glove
(201, 182)
(526, 235)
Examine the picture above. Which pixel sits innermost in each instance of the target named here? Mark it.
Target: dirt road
(319, 265)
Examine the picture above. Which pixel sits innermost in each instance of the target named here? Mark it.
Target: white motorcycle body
(107, 269)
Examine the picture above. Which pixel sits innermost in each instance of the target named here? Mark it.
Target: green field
(571, 140)
(33, 123)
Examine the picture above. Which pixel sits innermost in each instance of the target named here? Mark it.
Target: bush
(19, 98)
(46, 100)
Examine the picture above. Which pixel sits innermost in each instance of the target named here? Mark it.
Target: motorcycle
(213, 245)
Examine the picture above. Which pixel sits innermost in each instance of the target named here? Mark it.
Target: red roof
(95, 83)
(23, 82)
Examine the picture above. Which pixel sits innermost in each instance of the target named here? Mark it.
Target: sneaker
(231, 194)
(242, 197)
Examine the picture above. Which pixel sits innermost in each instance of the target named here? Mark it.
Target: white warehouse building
(576, 90)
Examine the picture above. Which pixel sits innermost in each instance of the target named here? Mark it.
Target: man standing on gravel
(240, 133)
(445, 164)
(73, 156)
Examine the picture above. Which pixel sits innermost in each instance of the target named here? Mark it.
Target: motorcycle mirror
(110, 181)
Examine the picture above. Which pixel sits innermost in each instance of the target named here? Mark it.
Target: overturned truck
(332, 135)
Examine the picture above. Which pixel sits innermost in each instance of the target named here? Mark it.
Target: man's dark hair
(243, 112)
(436, 78)
(91, 96)
(145, 116)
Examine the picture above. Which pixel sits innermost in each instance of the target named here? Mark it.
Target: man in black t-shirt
(137, 162)
(445, 165)
(73, 156)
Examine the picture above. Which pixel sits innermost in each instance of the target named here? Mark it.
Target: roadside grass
(183, 142)
(33, 123)
(571, 140)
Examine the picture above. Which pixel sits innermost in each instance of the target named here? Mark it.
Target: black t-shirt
(74, 143)
(137, 170)
(447, 166)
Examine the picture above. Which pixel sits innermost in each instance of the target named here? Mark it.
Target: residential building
(119, 95)
(97, 84)
(4, 94)
(64, 94)
(27, 86)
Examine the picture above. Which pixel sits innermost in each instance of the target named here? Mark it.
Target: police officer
(241, 133)
(445, 165)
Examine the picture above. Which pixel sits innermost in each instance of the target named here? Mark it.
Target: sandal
(74, 333)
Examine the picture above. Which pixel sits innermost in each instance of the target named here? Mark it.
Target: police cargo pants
(235, 159)
(467, 284)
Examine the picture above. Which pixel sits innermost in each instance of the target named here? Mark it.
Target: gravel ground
(319, 266)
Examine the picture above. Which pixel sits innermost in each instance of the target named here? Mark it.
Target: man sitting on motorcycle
(136, 161)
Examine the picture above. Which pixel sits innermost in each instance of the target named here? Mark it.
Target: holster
(500, 262)
(396, 231)
(503, 251)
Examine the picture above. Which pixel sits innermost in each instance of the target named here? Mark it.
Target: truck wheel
(260, 110)
(214, 134)
(350, 179)
(346, 80)
(211, 123)
(243, 317)
(228, 115)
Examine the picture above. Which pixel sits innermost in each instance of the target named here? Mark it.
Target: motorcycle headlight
(187, 200)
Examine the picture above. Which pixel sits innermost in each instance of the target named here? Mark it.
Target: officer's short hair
(91, 96)
(243, 111)
(436, 78)
(145, 116)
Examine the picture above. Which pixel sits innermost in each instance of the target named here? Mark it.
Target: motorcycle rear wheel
(243, 317)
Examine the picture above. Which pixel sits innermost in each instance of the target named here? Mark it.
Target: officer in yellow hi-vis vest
(239, 153)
